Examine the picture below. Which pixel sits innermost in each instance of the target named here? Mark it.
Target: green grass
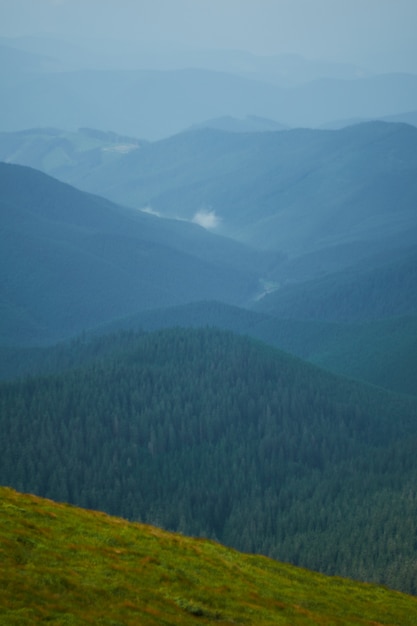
(68, 566)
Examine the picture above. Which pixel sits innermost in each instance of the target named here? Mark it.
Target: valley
(208, 337)
(273, 435)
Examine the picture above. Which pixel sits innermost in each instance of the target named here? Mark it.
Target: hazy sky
(378, 34)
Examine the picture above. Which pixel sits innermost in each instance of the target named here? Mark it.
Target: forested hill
(385, 288)
(382, 352)
(213, 434)
(61, 564)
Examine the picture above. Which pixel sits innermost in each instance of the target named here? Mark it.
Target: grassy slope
(66, 565)
(219, 436)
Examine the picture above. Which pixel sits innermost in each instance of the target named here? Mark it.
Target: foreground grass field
(64, 565)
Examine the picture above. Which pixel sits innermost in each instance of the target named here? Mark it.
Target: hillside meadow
(65, 565)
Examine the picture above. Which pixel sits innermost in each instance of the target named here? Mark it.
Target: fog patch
(206, 219)
(150, 211)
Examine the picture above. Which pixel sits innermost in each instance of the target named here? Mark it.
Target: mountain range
(298, 191)
(70, 91)
(71, 261)
(321, 201)
(302, 239)
(45, 53)
(113, 262)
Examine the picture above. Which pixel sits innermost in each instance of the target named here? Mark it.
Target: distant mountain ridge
(293, 191)
(178, 98)
(326, 199)
(249, 124)
(70, 260)
(64, 154)
(328, 219)
(283, 70)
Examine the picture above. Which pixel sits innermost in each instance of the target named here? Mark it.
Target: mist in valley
(208, 270)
